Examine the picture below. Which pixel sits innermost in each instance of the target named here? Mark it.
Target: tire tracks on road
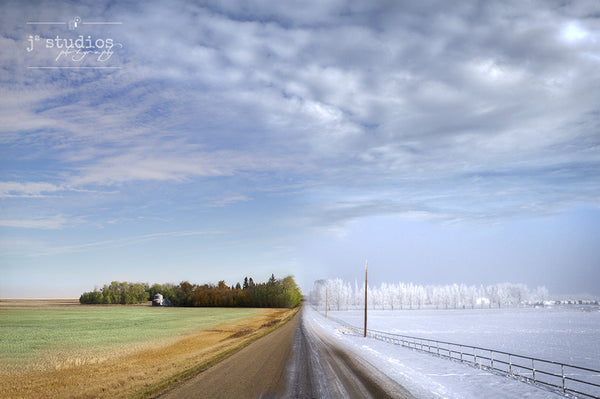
(321, 369)
(257, 370)
(293, 361)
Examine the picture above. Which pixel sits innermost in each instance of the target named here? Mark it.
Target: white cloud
(13, 246)
(489, 71)
(27, 189)
(320, 115)
(227, 200)
(144, 164)
(572, 32)
(418, 93)
(49, 223)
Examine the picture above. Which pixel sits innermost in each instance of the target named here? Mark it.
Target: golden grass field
(127, 367)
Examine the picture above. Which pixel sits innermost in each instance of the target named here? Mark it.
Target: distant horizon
(552, 296)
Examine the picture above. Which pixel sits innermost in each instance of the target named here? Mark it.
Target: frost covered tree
(375, 295)
(420, 296)
(392, 296)
(541, 295)
(436, 296)
(336, 293)
(472, 296)
(317, 294)
(410, 297)
(401, 295)
(454, 295)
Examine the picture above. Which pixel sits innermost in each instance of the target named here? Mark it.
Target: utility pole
(366, 264)
(325, 301)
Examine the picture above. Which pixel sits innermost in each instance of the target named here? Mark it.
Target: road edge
(161, 387)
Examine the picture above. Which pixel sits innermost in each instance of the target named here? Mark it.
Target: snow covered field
(566, 334)
(569, 334)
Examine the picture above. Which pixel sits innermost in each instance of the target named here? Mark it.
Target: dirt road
(320, 369)
(258, 370)
(292, 362)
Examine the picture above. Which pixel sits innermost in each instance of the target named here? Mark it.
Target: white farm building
(158, 300)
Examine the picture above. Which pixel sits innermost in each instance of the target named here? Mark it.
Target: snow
(568, 334)
(545, 333)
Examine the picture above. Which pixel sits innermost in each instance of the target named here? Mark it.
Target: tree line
(342, 295)
(275, 293)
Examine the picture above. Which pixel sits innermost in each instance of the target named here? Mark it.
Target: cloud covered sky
(444, 142)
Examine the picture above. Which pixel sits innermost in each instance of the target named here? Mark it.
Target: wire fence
(568, 379)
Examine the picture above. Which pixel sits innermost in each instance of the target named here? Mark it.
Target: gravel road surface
(291, 362)
(320, 369)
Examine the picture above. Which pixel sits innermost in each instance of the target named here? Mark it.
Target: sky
(444, 142)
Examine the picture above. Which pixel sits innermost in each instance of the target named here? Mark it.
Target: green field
(28, 333)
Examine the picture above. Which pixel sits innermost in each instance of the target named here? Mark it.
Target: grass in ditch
(162, 386)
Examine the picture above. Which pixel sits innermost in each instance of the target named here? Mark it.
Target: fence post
(419, 344)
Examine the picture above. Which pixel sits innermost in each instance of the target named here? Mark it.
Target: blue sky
(444, 142)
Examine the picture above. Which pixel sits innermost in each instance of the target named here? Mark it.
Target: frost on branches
(342, 295)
